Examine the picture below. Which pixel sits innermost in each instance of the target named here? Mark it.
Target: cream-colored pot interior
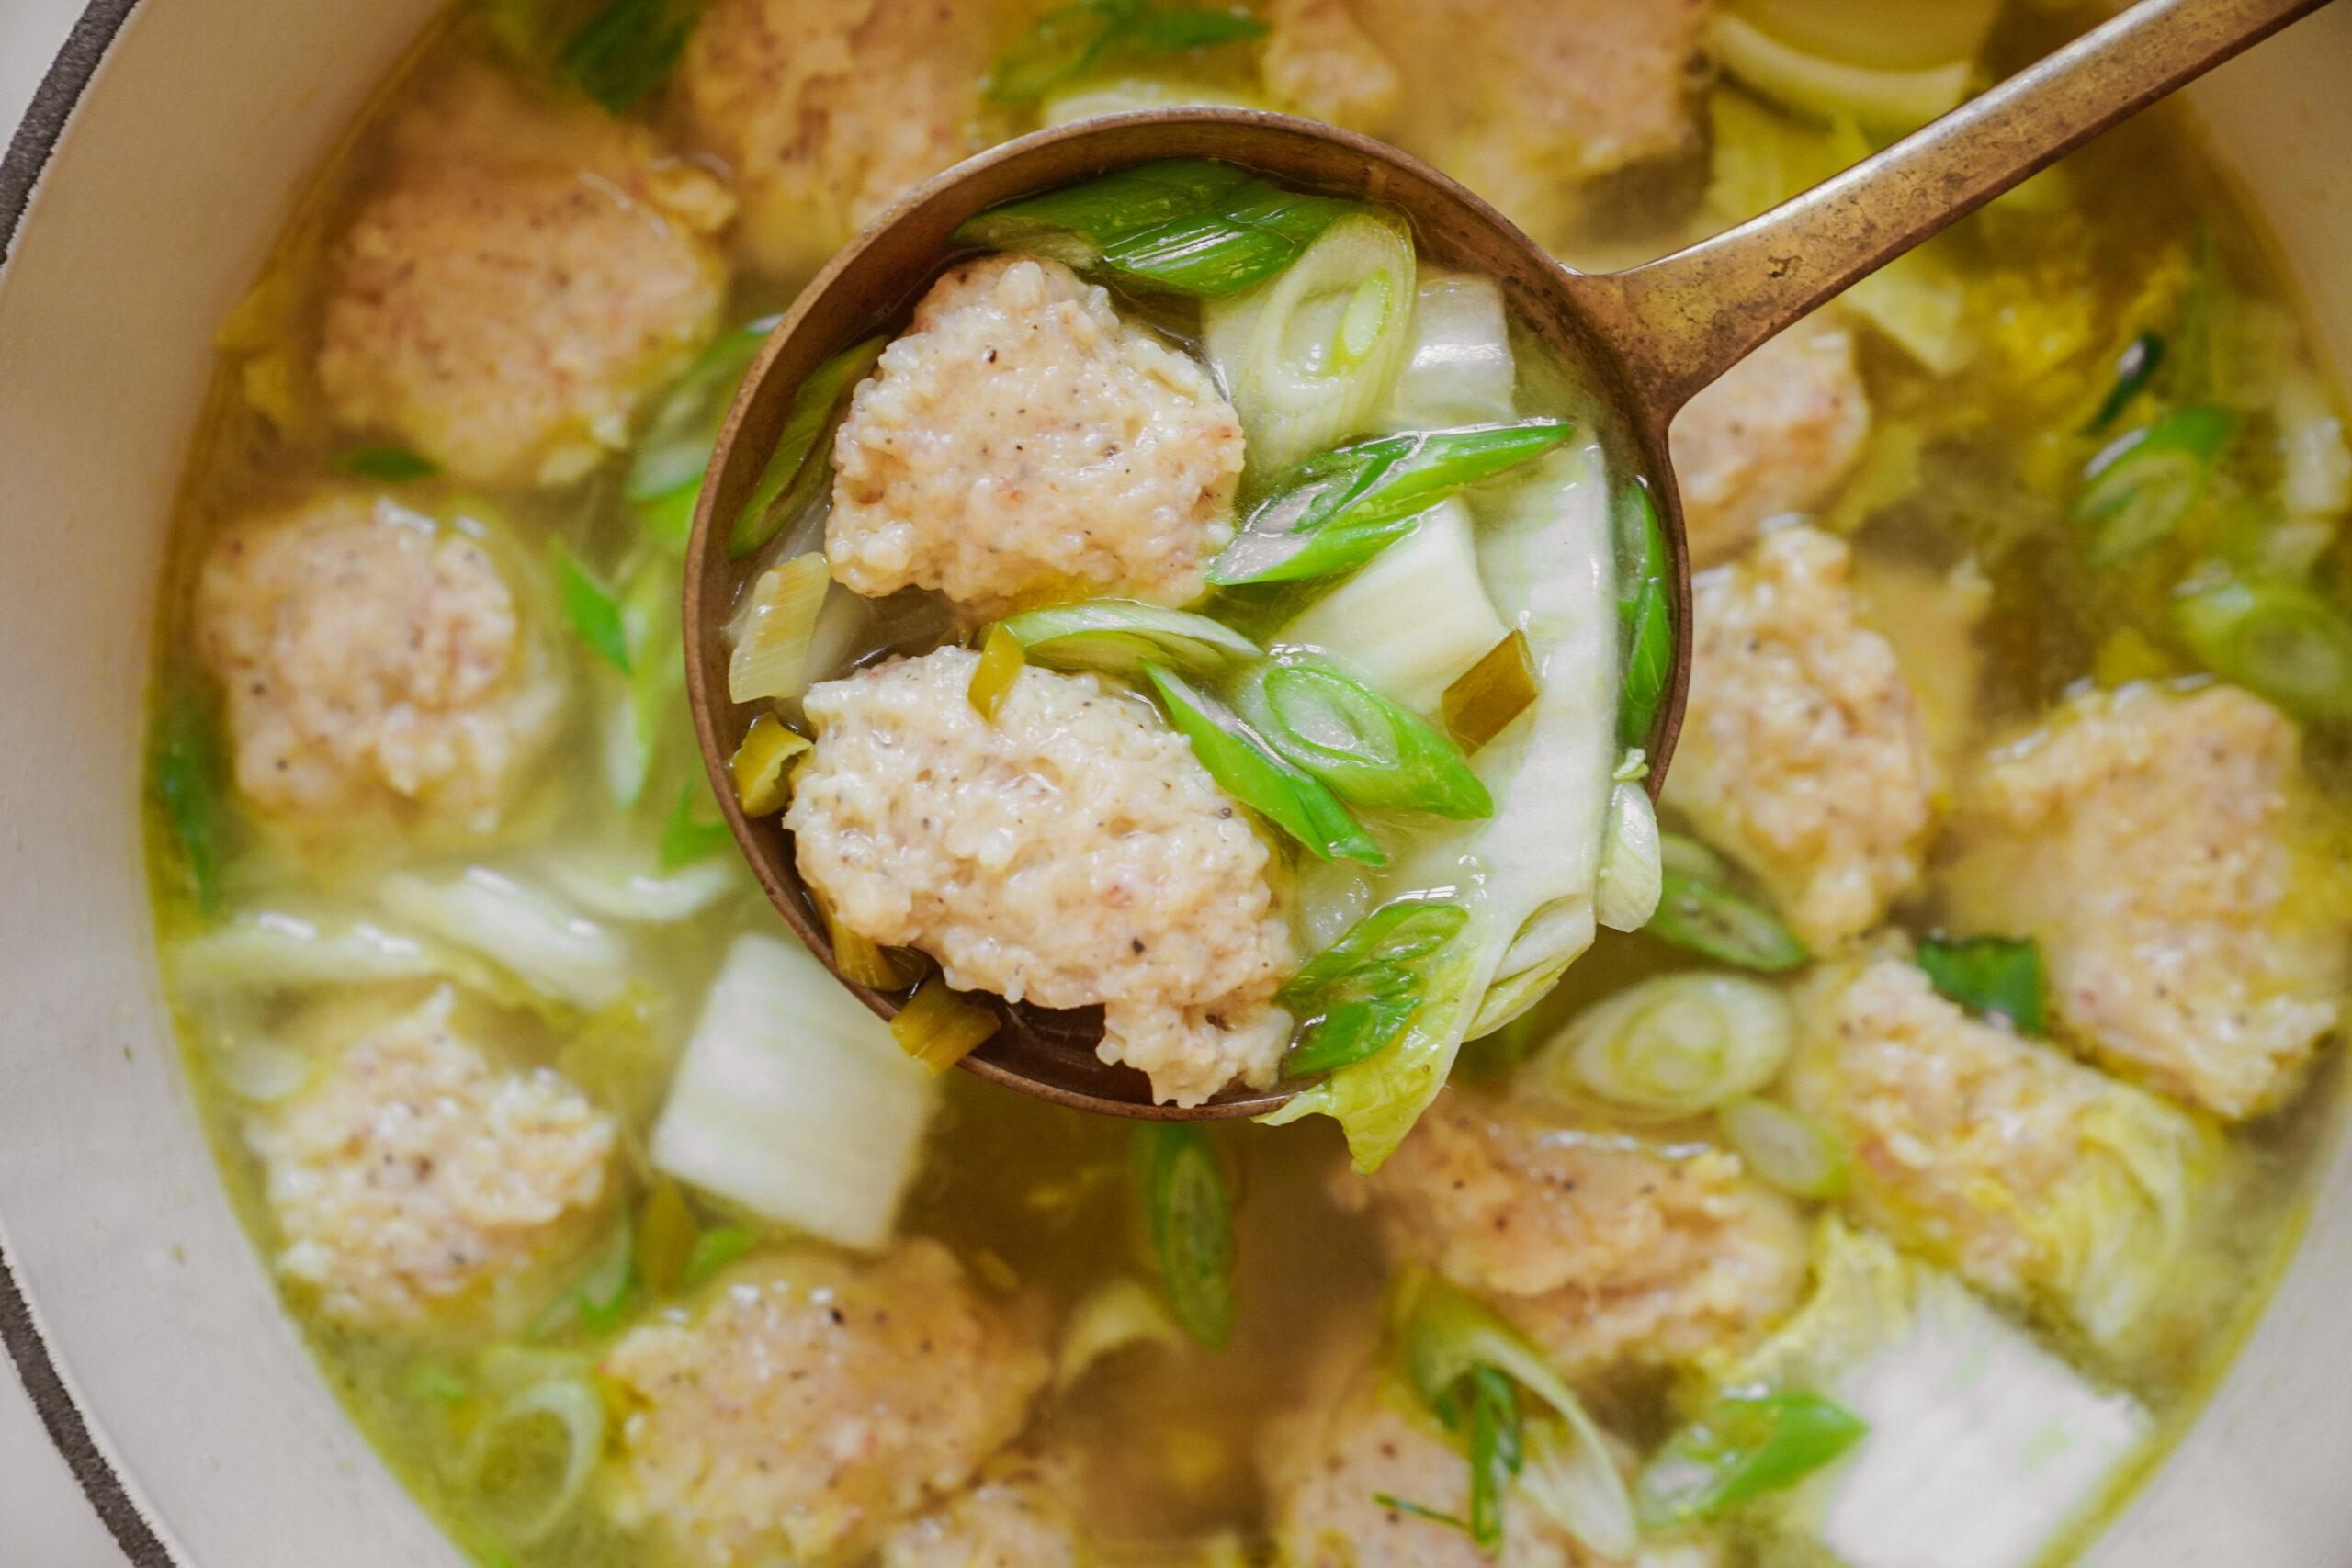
(143, 1323)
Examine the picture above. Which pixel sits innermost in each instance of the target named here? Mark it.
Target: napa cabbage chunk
(1528, 873)
(1984, 1448)
(794, 1101)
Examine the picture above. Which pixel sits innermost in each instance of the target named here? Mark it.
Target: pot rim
(61, 1415)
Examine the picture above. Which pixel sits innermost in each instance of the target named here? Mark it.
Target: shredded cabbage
(1527, 874)
(614, 887)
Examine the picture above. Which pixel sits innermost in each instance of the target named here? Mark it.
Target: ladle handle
(1683, 321)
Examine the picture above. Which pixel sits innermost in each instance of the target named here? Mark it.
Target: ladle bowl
(1643, 342)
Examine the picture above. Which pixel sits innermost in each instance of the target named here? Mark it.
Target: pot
(135, 207)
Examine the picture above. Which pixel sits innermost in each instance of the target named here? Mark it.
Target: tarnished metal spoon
(1646, 340)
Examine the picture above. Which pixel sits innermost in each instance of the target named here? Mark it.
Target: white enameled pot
(135, 205)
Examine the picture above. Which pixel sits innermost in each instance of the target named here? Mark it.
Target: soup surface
(1890, 1199)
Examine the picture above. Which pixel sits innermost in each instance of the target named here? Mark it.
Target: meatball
(829, 110)
(1777, 433)
(370, 654)
(1012, 1519)
(2165, 849)
(811, 1404)
(522, 277)
(1071, 852)
(1564, 90)
(1318, 61)
(1021, 440)
(2033, 1177)
(1803, 753)
(1604, 1249)
(1339, 1458)
(410, 1179)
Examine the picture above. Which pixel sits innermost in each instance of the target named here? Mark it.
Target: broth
(1964, 480)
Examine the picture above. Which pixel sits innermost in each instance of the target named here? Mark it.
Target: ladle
(1647, 340)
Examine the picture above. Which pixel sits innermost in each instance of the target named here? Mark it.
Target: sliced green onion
(1487, 1402)
(1787, 1148)
(1995, 977)
(1180, 225)
(1072, 224)
(431, 1379)
(505, 1466)
(2134, 368)
(1064, 43)
(939, 1029)
(592, 609)
(797, 470)
(688, 836)
(190, 777)
(1373, 753)
(773, 632)
(864, 962)
(665, 1237)
(1675, 1045)
(992, 678)
(671, 458)
(1055, 48)
(1188, 1219)
(2137, 489)
(388, 465)
(1706, 918)
(2280, 639)
(1345, 506)
(1249, 770)
(1488, 695)
(1440, 1334)
(759, 763)
(624, 51)
(1310, 356)
(1357, 995)
(1626, 895)
(1645, 614)
(715, 1251)
(1694, 862)
(1749, 1443)
(1117, 635)
(1421, 1511)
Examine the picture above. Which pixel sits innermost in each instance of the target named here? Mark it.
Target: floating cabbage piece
(1815, 72)
(794, 1101)
(616, 887)
(542, 942)
(1984, 1448)
(1458, 369)
(271, 948)
(2317, 480)
(1309, 355)
(1414, 618)
(1528, 873)
(1116, 636)
(642, 705)
(1440, 1335)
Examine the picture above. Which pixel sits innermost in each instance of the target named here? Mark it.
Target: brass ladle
(1647, 340)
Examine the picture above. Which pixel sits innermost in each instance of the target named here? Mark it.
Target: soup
(1891, 1196)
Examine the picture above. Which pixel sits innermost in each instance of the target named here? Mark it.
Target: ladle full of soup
(1184, 616)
